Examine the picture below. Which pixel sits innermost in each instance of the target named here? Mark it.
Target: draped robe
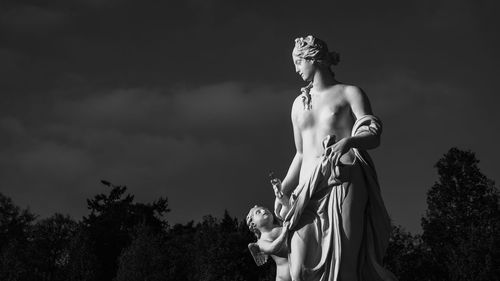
(316, 216)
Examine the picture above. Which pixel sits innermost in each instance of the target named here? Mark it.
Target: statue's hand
(286, 226)
(277, 188)
(337, 150)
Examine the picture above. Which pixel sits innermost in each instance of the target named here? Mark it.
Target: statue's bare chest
(322, 115)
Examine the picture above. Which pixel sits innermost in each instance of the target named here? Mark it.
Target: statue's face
(262, 216)
(304, 67)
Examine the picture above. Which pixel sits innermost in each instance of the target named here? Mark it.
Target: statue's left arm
(362, 140)
(360, 106)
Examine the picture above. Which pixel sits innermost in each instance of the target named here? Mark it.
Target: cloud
(51, 175)
(453, 15)
(32, 19)
(58, 162)
(182, 142)
(217, 110)
(12, 127)
(167, 97)
(187, 144)
(233, 105)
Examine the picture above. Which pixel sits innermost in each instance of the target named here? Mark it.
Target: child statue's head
(257, 217)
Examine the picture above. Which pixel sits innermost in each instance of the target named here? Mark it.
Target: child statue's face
(262, 216)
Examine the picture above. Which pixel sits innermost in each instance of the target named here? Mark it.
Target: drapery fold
(316, 217)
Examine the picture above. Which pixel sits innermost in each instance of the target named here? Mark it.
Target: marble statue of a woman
(339, 227)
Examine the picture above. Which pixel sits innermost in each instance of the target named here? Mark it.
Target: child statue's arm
(272, 247)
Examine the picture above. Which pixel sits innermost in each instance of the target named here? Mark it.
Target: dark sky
(191, 99)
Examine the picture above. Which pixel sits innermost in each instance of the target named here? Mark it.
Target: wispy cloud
(183, 139)
(32, 19)
(166, 97)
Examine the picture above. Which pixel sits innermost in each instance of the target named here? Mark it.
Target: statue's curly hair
(313, 48)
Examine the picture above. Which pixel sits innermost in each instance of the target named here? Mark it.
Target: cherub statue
(271, 240)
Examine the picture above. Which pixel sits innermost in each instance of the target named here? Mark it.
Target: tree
(222, 252)
(15, 227)
(407, 257)
(83, 263)
(111, 224)
(50, 247)
(146, 258)
(182, 252)
(462, 222)
(33, 251)
(15, 222)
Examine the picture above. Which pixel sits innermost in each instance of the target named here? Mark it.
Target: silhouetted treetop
(462, 220)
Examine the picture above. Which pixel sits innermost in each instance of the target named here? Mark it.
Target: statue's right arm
(291, 179)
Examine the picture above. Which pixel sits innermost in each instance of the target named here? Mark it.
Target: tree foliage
(14, 222)
(407, 257)
(33, 250)
(124, 240)
(462, 222)
(113, 218)
(146, 258)
(50, 247)
(214, 249)
(15, 227)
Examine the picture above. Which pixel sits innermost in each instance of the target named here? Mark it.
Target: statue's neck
(323, 78)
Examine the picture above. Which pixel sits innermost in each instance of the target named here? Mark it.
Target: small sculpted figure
(271, 240)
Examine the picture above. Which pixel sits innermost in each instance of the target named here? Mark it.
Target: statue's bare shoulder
(357, 99)
(346, 102)
(297, 108)
(345, 91)
(352, 92)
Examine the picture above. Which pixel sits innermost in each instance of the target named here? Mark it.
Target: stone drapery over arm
(318, 202)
